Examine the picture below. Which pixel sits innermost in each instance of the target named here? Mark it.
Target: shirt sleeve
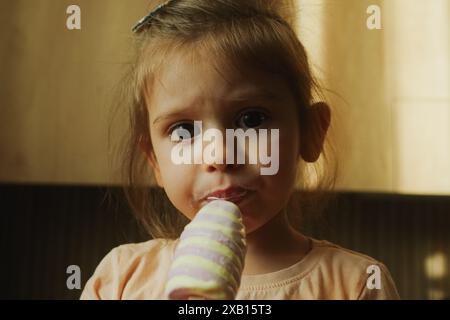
(106, 281)
(131, 271)
(386, 291)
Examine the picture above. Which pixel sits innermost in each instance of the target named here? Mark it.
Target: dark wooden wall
(44, 229)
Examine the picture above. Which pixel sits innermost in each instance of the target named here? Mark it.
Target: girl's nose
(217, 159)
(220, 167)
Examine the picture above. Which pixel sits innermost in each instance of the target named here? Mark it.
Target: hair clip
(146, 20)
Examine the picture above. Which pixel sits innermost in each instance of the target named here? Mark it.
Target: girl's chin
(250, 224)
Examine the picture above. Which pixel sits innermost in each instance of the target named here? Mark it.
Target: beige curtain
(57, 86)
(389, 89)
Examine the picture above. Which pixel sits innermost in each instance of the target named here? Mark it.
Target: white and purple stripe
(211, 251)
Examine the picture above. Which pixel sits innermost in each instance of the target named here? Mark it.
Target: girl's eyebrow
(169, 115)
(258, 94)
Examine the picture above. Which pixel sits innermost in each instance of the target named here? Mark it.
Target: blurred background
(389, 91)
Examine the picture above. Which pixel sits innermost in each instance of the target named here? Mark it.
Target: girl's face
(184, 92)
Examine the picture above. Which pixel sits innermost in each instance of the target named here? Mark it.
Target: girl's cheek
(180, 194)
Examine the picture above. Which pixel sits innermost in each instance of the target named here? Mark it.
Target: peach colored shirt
(139, 271)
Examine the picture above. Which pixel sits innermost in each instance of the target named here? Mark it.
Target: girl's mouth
(232, 194)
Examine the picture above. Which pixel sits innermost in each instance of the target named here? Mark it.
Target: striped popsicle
(209, 258)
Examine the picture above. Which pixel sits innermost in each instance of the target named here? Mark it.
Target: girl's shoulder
(131, 254)
(154, 254)
(148, 248)
(371, 276)
(328, 271)
(132, 271)
(331, 251)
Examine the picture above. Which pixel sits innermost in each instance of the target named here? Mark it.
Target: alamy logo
(373, 22)
(190, 150)
(374, 279)
(73, 21)
(74, 279)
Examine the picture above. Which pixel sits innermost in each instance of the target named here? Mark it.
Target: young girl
(230, 64)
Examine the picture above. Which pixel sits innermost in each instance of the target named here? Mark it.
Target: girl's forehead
(186, 76)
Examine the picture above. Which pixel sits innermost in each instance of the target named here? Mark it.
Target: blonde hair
(250, 34)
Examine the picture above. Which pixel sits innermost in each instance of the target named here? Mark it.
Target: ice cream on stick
(209, 258)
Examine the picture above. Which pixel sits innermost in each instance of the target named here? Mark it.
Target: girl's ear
(150, 155)
(314, 130)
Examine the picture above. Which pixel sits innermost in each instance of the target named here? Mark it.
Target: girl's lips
(228, 193)
(232, 194)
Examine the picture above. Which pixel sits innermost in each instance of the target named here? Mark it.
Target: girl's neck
(274, 246)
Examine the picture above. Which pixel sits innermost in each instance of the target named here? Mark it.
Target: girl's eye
(182, 131)
(251, 119)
